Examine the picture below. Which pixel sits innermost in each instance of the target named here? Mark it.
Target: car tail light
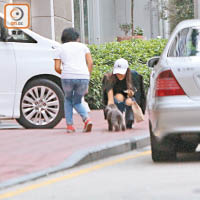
(167, 85)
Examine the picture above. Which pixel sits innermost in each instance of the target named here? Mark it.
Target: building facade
(97, 20)
(197, 9)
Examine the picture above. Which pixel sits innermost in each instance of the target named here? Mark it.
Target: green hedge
(137, 52)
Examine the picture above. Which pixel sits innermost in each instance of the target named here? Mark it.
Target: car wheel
(160, 153)
(41, 104)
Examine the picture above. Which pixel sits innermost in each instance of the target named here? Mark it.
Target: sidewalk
(27, 154)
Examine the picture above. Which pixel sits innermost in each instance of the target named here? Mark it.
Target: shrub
(137, 52)
(126, 28)
(138, 31)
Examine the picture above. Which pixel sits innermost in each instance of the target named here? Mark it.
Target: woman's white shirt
(72, 55)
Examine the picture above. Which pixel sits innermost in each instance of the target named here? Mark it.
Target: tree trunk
(132, 16)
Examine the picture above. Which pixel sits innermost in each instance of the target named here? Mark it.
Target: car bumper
(170, 116)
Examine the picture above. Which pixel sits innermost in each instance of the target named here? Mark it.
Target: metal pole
(82, 24)
(151, 18)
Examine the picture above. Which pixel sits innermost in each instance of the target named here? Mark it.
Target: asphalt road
(125, 177)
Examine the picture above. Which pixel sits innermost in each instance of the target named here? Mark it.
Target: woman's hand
(129, 92)
(57, 66)
(89, 62)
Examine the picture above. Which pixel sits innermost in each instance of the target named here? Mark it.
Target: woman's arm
(110, 97)
(57, 66)
(89, 61)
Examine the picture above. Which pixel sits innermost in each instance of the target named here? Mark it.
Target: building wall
(112, 13)
(107, 20)
(2, 3)
(142, 13)
(50, 17)
(63, 14)
(197, 9)
(122, 14)
(106, 17)
(94, 22)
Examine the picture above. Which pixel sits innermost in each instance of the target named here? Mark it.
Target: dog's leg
(117, 127)
(110, 127)
(123, 127)
(121, 122)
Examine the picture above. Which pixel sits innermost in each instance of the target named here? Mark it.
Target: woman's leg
(119, 101)
(80, 90)
(67, 85)
(129, 115)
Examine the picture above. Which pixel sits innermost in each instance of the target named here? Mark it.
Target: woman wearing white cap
(120, 86)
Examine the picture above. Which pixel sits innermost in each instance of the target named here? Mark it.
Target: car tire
(160, 153)
(42, 104)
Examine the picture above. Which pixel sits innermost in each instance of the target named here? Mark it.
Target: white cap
(120, 66)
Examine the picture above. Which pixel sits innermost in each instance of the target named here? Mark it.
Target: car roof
(188, 23)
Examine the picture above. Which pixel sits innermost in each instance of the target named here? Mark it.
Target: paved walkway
(26, 154)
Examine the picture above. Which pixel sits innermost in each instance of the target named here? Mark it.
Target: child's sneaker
(87, 125)
(70, 129)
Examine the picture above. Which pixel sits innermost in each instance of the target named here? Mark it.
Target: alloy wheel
(40, 105)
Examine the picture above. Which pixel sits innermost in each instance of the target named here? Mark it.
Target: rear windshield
(186, 43)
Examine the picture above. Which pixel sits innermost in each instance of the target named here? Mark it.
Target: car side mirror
(153, 61)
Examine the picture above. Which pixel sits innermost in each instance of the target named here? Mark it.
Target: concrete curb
(9, 126)
(85, 156)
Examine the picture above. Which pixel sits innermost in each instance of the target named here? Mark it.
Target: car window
(16, 35)
(1, 28)
(186, 43)
(19, 36)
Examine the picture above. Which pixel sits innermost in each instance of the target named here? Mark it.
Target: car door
(7, 77)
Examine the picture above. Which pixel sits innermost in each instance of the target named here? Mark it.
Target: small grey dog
(114, 117)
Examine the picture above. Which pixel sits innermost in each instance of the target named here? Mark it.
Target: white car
(174, 95)
(30, 89)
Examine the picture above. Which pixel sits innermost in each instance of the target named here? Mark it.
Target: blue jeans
(74, 90)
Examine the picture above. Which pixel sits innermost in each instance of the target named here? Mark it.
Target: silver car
(173, 99)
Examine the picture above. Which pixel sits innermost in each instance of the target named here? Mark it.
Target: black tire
(160, 152)
(42, 104)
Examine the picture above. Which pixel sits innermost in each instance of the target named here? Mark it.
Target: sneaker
(87, 126)
(70, 129)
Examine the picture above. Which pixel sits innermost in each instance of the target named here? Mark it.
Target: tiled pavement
(27, 154)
